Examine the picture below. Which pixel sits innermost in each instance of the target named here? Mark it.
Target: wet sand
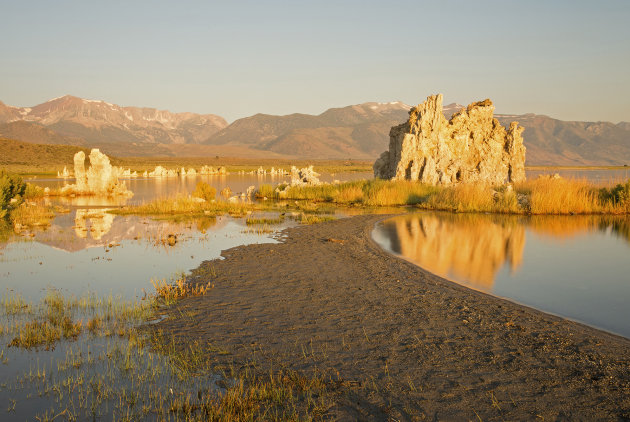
(407, 344)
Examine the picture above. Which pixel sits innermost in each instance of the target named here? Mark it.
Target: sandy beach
(402, 343)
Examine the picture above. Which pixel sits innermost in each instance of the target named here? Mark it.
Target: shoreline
(408, 344)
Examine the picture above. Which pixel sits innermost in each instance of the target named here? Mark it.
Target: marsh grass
(545, 195)
(168, 293)
(266, 191)
(184, 205)
(114, 367)
(31, 215)
(250, 221)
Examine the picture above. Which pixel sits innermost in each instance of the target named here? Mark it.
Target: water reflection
(574, 266)
(458, 245)
(96, 222)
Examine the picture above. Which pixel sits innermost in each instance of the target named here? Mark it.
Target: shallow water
(577, 267)
(88, 252)
(93, 251)
(147, 189)
(597, 176)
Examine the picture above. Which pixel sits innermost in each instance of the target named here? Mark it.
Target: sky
(566, 59)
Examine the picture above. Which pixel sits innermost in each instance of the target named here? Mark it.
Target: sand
(408, 345)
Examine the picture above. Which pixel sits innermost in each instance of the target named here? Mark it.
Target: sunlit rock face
(470, 147)
(100, 179)
(303, 176)
(461, 246)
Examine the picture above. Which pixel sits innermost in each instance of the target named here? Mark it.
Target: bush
(619, 195)
(11, 186)
(204, 191)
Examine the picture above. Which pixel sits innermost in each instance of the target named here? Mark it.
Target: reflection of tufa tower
(100, 223)
(470, 248)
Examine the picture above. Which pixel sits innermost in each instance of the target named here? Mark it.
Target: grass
(111, 366)
(31, 215)
(204, 191)
(544, 195)
(184, 205)
(251, 221)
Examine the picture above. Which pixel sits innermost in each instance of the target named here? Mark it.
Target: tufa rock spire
(470, 147)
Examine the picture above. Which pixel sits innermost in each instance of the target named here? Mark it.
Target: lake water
(577, 267)
(146, 189)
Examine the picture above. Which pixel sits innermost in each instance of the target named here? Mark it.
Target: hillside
(358, 131)
(98, 121)
(362, 131)
(36, 133)
(22, 157)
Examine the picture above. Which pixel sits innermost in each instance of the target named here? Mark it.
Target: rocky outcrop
(304, 176)
(470, 147)
(100, 179)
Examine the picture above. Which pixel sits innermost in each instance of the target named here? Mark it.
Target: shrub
(204, 191)
(11, 186)
(617, 197)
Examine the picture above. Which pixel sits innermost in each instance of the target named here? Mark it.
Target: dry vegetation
(545, 195)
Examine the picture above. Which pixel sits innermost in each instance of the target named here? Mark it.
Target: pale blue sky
(566, 59)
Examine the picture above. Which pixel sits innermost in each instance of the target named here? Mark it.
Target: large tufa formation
(470, 147)
(100, 179)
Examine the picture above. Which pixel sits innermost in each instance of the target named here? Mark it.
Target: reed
(396, 192)
(548, 195)
(474, 197)
(31, 215)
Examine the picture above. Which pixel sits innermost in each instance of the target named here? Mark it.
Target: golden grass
(185, 205)
(31, 215)
(477, 197)
(548, 195)
(250, 221)
(170, 292)
(266, 191)
(204, 191)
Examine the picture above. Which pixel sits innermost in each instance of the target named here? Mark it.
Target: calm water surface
(147, 189)
(577, 267)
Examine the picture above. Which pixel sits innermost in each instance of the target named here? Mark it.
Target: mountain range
(357, 131)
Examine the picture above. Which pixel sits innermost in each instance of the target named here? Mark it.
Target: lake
(577, 267)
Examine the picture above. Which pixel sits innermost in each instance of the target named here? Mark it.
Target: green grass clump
(616, 198)
(266, 191)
